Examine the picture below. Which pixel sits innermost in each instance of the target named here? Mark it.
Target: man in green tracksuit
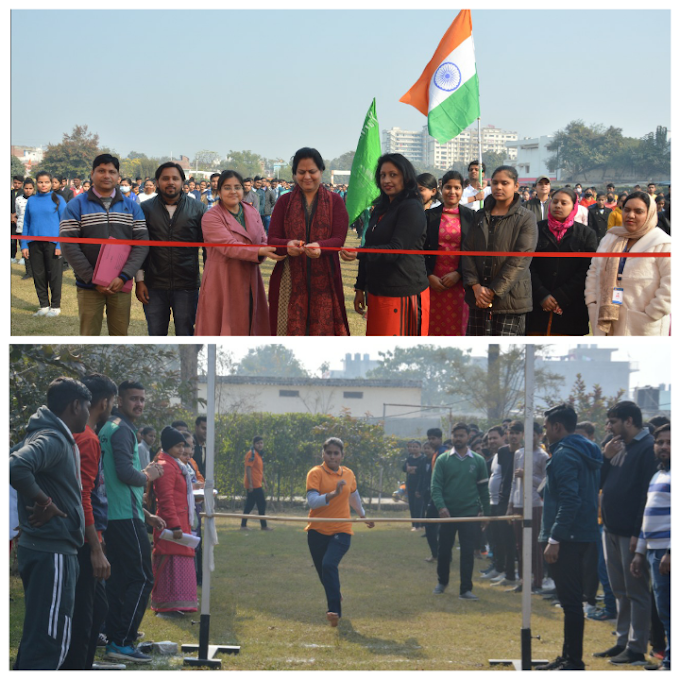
(45, 470)
(460, 488)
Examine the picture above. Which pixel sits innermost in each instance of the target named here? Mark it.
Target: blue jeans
(327, 551)
(266, 219)
(661, 584)
(183, 304)
(609, 599)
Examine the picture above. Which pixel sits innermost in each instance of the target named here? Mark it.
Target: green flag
(362, 189)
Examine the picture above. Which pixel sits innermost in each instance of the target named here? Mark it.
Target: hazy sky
(163, 82)
(651, 354)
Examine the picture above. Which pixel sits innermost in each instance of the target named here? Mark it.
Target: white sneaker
(54, 311)
(492, 574)
(15, 261)
(21, 261)
(589, 608)
(548, 583)
(43, 311)
(499, 578)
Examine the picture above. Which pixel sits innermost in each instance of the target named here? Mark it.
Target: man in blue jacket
(569, 524)
(44, 469)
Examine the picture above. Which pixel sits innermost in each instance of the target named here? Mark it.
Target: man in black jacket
(598, 214)
(629, 465)
(169, 278)
(539, 205)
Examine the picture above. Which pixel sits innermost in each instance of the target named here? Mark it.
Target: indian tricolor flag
(447, 92)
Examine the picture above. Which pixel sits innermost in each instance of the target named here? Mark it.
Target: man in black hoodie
(45, 470)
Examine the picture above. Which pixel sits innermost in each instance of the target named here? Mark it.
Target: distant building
(359, 398)
(531, 159)
(422, 149)
(596, 367)
(653, 401)
(355, 367)
(184, 163)
(409, 143)
(30, 156)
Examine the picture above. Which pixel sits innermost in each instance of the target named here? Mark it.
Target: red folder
(110, 263)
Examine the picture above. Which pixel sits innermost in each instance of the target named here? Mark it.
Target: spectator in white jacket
(631, 295)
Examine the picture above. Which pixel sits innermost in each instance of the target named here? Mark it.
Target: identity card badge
(617, 296)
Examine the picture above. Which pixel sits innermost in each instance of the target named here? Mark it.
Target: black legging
(415, 504)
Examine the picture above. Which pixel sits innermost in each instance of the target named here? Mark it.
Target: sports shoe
(266, 529)
(127, 653)
(439, 589)
(54, 311)
(602, 615)
(590, 609)
(493, 574)
(102, 640)
(504, 582)
(244, 528)
(612, 651)
(15, 261)
(552, 666)
(629, 658)
(42, 311)
(469, 595)
(548, 584)
(430, 559)
(21, 261)
(499, 578)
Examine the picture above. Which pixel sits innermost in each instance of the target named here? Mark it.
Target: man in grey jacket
(45, 470)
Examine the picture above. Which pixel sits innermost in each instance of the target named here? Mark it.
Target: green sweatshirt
(461, 485)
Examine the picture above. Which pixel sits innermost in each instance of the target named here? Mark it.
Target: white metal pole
(528, 503)
(209, 527)
(481, 165)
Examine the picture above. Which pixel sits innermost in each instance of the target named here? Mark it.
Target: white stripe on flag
(455, 70)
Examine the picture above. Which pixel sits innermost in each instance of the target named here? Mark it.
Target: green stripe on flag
(453, 115)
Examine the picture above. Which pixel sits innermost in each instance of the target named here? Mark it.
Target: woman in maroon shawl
(305, 289)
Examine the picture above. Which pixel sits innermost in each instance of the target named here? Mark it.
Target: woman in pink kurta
(233, 300)
(447, 226)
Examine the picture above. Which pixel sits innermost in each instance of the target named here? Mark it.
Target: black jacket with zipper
(402, 227)
(167, 267)
(562, 277)
(510, 279)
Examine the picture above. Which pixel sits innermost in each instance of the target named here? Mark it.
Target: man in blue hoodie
(44, 469)
(569, 524)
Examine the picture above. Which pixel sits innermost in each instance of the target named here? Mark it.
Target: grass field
(266, 597)
(25, 303)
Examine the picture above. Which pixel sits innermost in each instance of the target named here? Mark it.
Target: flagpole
(481, 165)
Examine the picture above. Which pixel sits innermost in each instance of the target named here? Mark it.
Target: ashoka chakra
(447, 77)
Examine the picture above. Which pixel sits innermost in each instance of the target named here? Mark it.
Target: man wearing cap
(539, 205)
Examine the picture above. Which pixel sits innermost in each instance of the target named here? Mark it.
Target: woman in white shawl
(631, 295)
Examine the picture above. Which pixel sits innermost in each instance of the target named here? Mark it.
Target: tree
(206, 160)
(343, 162)
(493, 159)
(33, 367)
(74, 156)
(593, 405)
(246, 163)
(139, 166)
(653, 154)
(437, 367)
(18, 168)
(271, 360)
(580, 148)
(499, 389)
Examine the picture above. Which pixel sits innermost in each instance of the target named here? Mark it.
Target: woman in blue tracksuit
(42, 217)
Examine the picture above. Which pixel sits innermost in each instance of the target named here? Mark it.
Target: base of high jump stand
(526, 663)
(207, 652)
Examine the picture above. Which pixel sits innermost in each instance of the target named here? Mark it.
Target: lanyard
(622, 260)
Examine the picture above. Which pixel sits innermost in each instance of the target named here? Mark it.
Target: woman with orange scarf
(305, 289)
(631, 295)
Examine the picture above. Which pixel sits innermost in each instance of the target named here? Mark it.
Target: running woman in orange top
(331, 490)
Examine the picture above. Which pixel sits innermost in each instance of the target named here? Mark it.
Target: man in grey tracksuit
(45, 471)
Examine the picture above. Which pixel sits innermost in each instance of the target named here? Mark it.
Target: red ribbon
(388, 251)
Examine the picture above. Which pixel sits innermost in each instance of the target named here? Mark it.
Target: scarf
(187, 472)
(313, 308)
(609, 312)
(559, 229)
